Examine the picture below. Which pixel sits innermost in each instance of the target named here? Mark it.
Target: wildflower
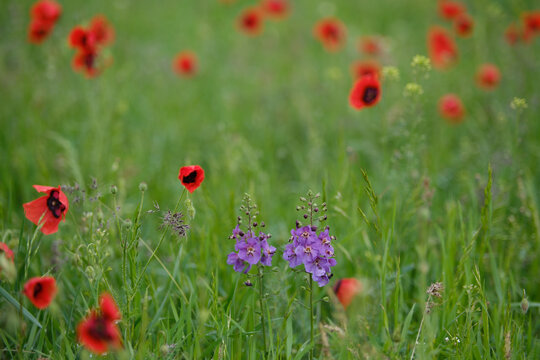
(512, 34)
(369, 67)
(6, 260)
(185, 63)
(463, 25)
(346, 289)
(191, 177)
(413, 90)
(176, 223)
(85, 61)
(366, 92)
(488, 76)
(451, 108)
(449, 9)
(250, 21)
(40, 291)
(47, 210)
(44, 15)
(531, 24)
(102, 30)
(252, 248)
(275, 9)
(390, 73)
(312, 250)
(370, 45)
(518, 104)
(331, 33)
(441, 47)
(98, 331)
(89, 42)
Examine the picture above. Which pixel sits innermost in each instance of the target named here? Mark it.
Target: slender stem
(261, 296)
(311, 316)
(156, 249)
(419, 330)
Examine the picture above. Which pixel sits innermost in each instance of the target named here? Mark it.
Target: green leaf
(17, 305)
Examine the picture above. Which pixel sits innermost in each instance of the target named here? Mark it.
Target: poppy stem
(261, 297)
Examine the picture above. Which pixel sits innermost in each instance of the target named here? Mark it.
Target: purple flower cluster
(251, 249)
(312, 250)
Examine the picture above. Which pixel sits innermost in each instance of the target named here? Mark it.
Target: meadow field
(437, 219)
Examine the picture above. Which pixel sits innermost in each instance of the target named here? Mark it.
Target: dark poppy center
(54, 204)
(89, 60)
(37, 290)
(190, 179)
(98, 330)
(250, 21)
(370, 94)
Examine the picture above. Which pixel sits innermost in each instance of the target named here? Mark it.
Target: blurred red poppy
(275, 9)
(331, 33)
(370, 45)
(46, 10)
(449, 9)
(50, 209)
(451, 108)
(102, 30)
(250, 21)
(441, 47)
(366, 92)
(6, 252)
(531, 24)
(366, 67)
(488, 76)
(40, 291)
(185, 63)
(463, 25)
(512, 34)
(346, 289)
(98, 331)
(108, 307)
(191, 177)
(44, 15)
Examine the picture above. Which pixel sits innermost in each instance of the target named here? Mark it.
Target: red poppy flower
(6, 252)
(346, 290)
(80, 38)
(275, 9)
(191, 177)
(51, 208)
(464, 24)
(85, 61)
(363, 68)
(102, 30)
(488, 76)
(331, 32)
(366, 92)
(185, 63)
(449, 9)
(512, 34)
(44, 15)
(38, 31)
(250, 21)
(370, 45)
(441, 47)
(99, 334)
(451, 108)
(40, 291)
(46, 10)
(108, 307)
(531, 24)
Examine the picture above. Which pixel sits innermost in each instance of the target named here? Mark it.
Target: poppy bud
(113, 190)
(143, 186)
